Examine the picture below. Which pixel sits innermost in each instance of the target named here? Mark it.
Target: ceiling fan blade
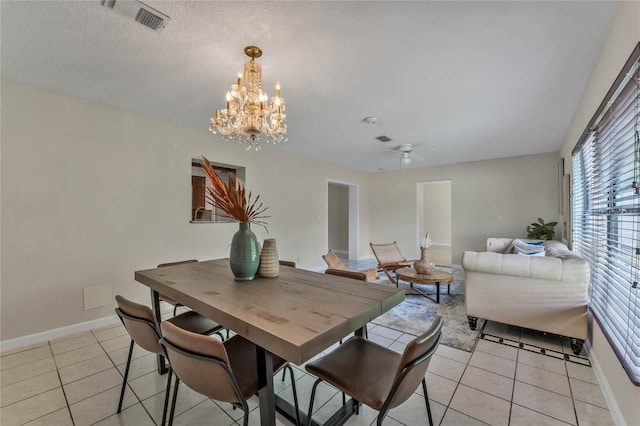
(417, 157)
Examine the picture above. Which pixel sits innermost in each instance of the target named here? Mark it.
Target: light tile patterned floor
(506, 381)
(76, 381)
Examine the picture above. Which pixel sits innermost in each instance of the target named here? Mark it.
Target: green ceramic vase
(244, 257)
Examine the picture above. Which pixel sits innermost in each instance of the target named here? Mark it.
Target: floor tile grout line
(515, 375)
(19, 351)
(459, 382)
(88, 375)
(22, 365)
(233, 421)
(543, 414)
(66, 400)
(573, 401)
(30, 378)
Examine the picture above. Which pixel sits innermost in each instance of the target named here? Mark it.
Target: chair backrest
(347, 274)
(414, 363)
(333, 261)
(387, 254)
(201, 362)
(181, 262)
(140, 323)
(287, 263)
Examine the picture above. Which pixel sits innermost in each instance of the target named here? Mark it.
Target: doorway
(434, 217)
(342, 219)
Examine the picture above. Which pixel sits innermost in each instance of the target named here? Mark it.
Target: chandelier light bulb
(405, 160)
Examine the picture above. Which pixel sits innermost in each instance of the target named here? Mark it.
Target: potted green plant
(541, 230)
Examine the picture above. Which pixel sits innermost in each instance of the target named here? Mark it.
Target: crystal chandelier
(248, 114)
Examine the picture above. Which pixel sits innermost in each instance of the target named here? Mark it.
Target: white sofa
(546, 293)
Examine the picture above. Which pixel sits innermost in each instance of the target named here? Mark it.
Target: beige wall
(338, 216)
(435, 211)
(517, 189)
(92, 193)
(622, 38)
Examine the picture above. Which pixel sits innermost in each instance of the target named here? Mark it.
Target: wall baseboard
(56, 333)
(614, 409)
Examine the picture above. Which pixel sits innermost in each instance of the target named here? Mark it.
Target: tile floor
(76, 381)
(505, 381)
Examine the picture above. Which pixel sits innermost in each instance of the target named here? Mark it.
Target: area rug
(416, 314)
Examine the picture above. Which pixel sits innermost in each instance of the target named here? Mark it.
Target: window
(201, 209)
(606, 214)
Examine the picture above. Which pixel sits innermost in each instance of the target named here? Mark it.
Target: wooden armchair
(390, 259)
(335, 263)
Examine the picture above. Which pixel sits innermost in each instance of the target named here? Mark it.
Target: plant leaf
(231, 199)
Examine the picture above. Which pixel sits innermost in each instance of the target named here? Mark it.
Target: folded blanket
(527, 248)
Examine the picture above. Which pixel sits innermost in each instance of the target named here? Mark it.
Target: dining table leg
(161, 363)
(265, 387)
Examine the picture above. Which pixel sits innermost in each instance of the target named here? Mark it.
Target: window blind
(606, 214)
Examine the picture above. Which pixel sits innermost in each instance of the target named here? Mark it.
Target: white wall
(93, 193)
(622, 38)
(338, 217)
(518, 189)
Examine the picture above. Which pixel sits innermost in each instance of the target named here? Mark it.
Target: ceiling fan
(405, 151)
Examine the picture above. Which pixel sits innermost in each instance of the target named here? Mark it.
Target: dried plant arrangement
(232, 199)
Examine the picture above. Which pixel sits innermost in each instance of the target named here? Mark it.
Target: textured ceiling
(462, 81)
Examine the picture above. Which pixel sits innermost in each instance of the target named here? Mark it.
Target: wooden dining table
(295, 316)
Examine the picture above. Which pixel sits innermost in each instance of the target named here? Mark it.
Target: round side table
(436, 278)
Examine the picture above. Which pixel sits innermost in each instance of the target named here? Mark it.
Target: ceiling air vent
(146, 15)
(383, 138)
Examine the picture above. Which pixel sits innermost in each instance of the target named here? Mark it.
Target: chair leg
(295, 393)
(245, 408)
(393, 281)
(173, 402)
(426, 401)
(166, 397)
(126, 375)
(313, 395)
